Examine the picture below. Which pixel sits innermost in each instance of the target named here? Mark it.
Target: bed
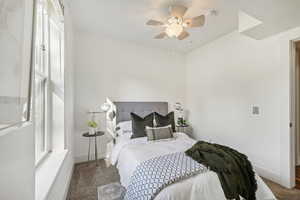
(127, 154)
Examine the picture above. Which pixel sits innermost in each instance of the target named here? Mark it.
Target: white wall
(17, 163)
(229, 75)
(122, 71)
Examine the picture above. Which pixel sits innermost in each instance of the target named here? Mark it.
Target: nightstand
(182, 128)
(97, 134)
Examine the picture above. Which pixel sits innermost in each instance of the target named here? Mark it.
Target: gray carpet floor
(87, 177)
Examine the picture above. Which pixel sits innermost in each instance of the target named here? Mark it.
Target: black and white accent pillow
(159, 133)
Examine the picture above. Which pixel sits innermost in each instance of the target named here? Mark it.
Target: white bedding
(129, 153)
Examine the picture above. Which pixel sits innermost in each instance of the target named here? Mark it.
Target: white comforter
(129, 153)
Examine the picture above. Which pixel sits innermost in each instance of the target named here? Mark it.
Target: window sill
(46, 173)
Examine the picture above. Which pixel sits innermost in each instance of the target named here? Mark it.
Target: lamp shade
(105, 107)
(178, 107)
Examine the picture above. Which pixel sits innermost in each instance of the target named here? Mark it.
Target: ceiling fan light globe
(174, 30)
(169, 33)
(172, 20)
(180, 21)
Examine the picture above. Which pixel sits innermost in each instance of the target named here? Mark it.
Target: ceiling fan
(176, 25)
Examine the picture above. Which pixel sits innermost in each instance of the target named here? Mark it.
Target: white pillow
(124, 127)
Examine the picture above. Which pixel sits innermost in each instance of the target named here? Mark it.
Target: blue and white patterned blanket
(152, 176)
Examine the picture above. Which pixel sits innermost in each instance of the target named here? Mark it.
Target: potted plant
(92, 127)
(180, 119)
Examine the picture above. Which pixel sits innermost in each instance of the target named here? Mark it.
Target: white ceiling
(125, 19)
(276, 16)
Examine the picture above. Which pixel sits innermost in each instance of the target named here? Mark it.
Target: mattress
(128, 153)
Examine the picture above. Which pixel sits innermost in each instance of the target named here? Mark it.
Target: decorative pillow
(139, 124)
(159, 133)
(165, 120)
(125, 126)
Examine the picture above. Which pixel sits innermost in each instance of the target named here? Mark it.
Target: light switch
(255, 110)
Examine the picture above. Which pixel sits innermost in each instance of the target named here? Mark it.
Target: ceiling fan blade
(161, 35)
(178, 11)
(195, 22)
(152, 22)
(183, 35)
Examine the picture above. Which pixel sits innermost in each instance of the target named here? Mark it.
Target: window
(49, 80)
(41, 111)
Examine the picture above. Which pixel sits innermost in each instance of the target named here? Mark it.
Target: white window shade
(15, 58)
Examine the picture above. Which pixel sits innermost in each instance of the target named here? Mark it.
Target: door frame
(293, 112)
(296, 54)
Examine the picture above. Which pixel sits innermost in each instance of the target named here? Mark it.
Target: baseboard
(268, 174)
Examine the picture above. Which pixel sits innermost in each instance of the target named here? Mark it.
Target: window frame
(42, 60)
(43, 80)
(44, 52)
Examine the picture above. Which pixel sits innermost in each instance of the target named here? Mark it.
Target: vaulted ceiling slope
(276, 16)
(125, 19)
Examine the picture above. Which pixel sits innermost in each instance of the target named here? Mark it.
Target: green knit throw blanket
(233, 169)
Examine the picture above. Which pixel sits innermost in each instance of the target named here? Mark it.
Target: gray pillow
(139, 124)
(166, 120)
(159, 133)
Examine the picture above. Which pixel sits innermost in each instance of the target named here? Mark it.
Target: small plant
(181, 121)
(92, 124)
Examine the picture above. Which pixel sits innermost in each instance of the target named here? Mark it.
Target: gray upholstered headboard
(123, 109)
